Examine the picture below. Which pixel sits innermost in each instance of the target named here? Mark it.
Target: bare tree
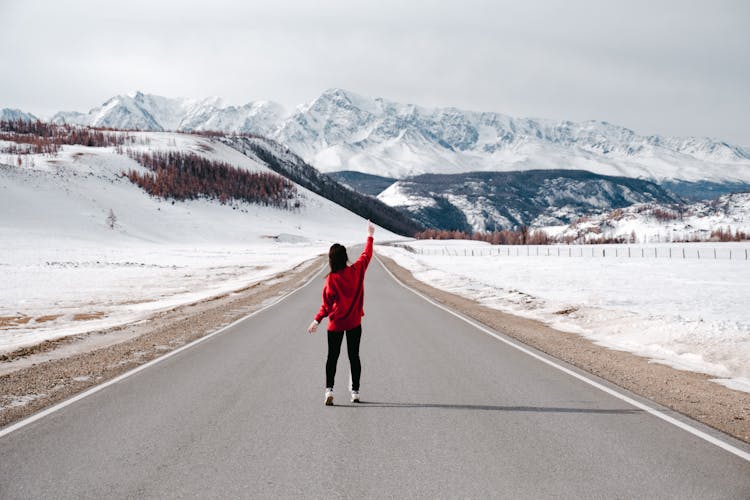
(111, 219)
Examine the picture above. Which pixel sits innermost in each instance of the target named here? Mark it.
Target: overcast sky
(666, 67)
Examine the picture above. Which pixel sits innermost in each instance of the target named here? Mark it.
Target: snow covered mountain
(344, 131)
(341, 130)
(150, 112)
(9, 115)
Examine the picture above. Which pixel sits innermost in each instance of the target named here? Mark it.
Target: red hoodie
(344, 293)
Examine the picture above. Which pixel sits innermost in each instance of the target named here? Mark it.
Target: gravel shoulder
(34, 378)
(692, 394)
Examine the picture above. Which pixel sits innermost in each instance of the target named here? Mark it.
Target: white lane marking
(97, 388)
(653, 411)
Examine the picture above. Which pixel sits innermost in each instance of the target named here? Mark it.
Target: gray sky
(667, 67)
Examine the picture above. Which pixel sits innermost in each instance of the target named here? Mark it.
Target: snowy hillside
(283, 161)
(65, 270)
(341, 130)
(492, 201)
(653, 222)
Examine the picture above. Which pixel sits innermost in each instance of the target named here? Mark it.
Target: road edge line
(653, 411)
(92, 390)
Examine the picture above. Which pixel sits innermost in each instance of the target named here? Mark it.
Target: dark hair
(337, 257)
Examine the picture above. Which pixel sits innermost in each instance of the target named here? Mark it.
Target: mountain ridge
(342, 130)
(493, 201)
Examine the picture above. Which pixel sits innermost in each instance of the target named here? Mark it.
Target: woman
(343, 298)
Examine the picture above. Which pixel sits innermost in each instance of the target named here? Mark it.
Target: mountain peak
(335, 92)
(344, 130)
(347, 97)
(12, 114)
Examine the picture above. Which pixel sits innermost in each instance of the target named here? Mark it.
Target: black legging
(352, 348)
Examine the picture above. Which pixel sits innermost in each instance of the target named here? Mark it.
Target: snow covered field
(65, 271)
(688, 313)
(61, 288)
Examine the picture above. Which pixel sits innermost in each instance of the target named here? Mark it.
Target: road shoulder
(33, 380)
(692, 394)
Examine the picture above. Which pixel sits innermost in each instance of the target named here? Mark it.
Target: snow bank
(688, 313)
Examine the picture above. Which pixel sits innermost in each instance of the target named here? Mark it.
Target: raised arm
(366, 256)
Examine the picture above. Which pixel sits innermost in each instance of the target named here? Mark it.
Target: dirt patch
(692, 394)
(565, 312)
(48, 317)
(88, 316)
(46, 346)
(13, 321)
(43, 379)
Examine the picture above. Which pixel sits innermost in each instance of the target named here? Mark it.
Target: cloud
(669, 67)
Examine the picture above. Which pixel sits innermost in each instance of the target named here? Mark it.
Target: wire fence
(686, 251)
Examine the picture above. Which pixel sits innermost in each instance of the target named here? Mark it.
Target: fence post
(714, 254)
(628, 252)
(604, 252)
(617, 252)
(730, 254)
(656, 253)
(642, 253)
(670, 252)
(683, 252)
(699, 254)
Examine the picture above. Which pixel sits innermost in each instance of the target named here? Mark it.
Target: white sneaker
(355, 396)
(329, 396)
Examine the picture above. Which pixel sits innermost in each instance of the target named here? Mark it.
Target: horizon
(289, 111)
(660, 69)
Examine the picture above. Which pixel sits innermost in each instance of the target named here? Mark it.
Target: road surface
(448, 412)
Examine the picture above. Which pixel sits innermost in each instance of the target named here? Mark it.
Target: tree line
(39, 137)
(722, 234)
(521, 236)
(189, 176)
(526, 236)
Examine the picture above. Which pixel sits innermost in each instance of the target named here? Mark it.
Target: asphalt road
(448, 412)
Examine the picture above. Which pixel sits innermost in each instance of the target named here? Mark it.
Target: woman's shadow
(532, 409)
